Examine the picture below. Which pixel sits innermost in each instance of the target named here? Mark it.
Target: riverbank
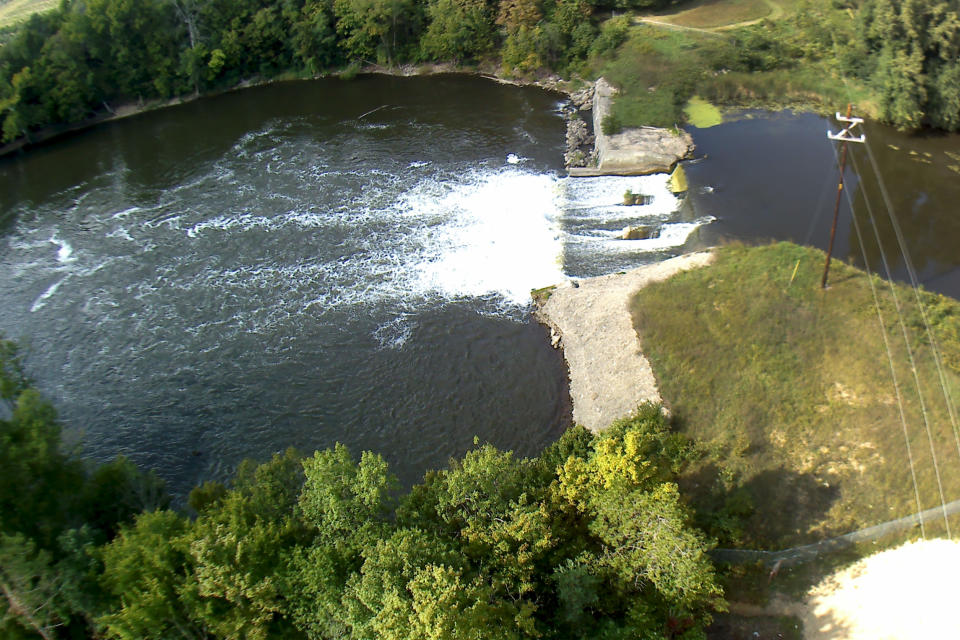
(590, 321)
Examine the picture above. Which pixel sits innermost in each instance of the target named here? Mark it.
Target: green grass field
(789, 389)
(14, 11)
(710, 14)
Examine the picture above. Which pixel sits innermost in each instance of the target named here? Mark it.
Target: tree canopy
(590, 539)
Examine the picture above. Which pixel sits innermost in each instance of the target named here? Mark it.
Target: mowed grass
(789, 389)
(709, 14)
(14, 11)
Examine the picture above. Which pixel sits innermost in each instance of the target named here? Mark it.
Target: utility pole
(845, 135)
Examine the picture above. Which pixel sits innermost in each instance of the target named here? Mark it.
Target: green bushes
(71, 63)
(590, 539)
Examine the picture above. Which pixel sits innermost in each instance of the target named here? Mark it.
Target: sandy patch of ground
(609, 375)
(907, 593)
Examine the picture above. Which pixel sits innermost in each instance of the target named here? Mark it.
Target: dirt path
(609, 376)
(776, 11)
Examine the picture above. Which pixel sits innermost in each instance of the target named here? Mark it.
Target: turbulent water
(309, 263)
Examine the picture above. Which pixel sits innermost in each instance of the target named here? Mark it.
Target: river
(306, 263)
(321, 261)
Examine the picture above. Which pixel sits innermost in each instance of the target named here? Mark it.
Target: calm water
(774, 176)
(307, 263)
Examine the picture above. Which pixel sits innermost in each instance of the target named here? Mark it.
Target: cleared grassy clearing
(790, 390)
(710, 14)
(14, 11)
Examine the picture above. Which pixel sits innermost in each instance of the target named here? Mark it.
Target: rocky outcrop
(640, 232)
(582, 100)
(579, 151)
(632, 151)
(580, 139)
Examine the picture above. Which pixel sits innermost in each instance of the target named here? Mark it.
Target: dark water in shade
(307, 263)
(774, 176)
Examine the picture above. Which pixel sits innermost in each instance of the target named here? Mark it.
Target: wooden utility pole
(845, 136)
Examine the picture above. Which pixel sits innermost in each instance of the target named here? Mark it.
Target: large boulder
(635, 151)
(640, 232)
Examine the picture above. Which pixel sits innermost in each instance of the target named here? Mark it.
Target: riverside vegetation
(590, 539)
(897, 59)
(788, 391)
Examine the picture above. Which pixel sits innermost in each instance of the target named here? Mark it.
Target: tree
(344, 500)
(314, 36)
(646, 545)
(37, 496)
(145, 570)
(945, 98)
(912, 48)
(378, 30)
(237, 547)
(458, 30)
(45, 590)
(902, 85)
(30, 587)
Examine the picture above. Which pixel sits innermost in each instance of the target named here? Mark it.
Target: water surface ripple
(268, 269)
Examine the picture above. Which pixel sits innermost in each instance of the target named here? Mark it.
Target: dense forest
(590, 539)
(89, 56)
(65, 65)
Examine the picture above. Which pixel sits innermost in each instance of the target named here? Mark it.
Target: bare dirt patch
(907, 593)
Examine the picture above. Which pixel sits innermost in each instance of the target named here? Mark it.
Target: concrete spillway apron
(609, 375)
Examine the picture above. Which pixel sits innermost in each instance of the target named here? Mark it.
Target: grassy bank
(14, 11)
(789, 389)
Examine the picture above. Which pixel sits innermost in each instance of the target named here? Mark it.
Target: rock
(678, 180)
(579, 141)
(583, 99)
(635, 151)
(630, 198)
(640, 232)
(577, 133)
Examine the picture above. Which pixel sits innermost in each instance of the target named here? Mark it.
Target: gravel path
(609, 375)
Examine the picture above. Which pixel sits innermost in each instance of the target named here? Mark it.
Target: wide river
(324, 261)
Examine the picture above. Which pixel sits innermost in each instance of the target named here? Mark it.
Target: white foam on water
(605, 194)
(40, 302)
(243, 221)
(498, 236)
(120, 232)
(395, 333)
(126, 212)
(65, 252)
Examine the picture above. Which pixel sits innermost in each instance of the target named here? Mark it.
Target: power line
(911, 272)
(889, 352)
